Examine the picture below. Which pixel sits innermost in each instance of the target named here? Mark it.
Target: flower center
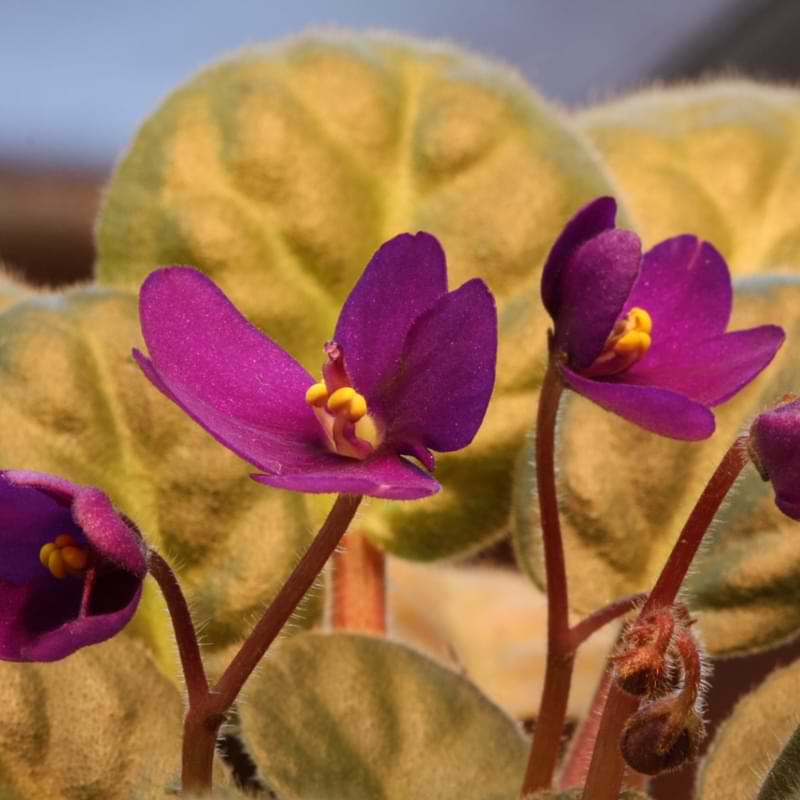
(64, 557)
(341, 410)
(627, 343)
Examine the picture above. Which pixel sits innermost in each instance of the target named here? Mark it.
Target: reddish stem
(359, 586)
(560, 653)
(591, 624)
(606, 770)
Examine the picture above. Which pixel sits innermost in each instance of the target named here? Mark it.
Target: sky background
(77, 78)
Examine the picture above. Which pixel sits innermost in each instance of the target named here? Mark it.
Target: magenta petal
(592, 219)
(383, 475)
(685, 286)
(709, 371)
(594, 287)
(439, 397)
(661, 411)
(403, 279)
(234, 381)
(776, 440)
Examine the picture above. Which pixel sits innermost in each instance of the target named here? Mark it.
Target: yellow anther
(44, 553)
(640, 320)
(633, 342)
(340, 399)
(56, 564)
(75, 558)
(317, 394)
(63, 556)
(358, 407)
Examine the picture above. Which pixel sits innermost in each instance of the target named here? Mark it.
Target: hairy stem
(607, 768)
(208, 708)
(591, 624)
(358, 583)
(194, 672)
(560, 654)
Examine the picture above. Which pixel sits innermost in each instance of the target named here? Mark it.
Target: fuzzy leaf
(12, 288)
(783, 780)
(356, 717)
(718, 159)
(103, 724)
(279, 173)
(75, 404)
(576, 794)
(626, 497)
(747, 745)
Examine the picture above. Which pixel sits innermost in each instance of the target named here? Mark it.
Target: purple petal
(238, 384)
(403, 279)
(709, 371)
(686, 288)
(655, 409)
(592, 219)
(594, 287)
(776, 440)
(383, 475)
(440, 395)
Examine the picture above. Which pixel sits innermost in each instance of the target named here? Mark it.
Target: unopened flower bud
(662, 736)
(642, 664)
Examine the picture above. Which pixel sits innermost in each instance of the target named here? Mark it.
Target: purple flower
(775, 445)
(410, 369)
(71, 568)
(644, 337)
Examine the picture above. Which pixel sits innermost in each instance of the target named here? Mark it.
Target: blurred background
(78, 78)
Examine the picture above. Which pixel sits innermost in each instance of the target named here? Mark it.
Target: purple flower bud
(644, 336)
(71, 567)
(775, 448)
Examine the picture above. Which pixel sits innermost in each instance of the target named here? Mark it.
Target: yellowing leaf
(280, 171)
(352, 717)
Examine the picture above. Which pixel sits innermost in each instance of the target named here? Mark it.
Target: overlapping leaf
(363, 717)
(721, 160)
(279, 172)
(103, 724)
(625, 495)
(748, 744)
(75, 404)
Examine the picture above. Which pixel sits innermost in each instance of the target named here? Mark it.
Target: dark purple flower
(644, 337)
(71, 567)
(410, 369)
(775, 445)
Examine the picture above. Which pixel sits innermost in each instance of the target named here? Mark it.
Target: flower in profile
(775, 446)
(644, 337)
(410, 369)
(71, 568)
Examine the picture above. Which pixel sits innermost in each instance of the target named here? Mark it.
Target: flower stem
(560, 653)
(359, 586)
(607, 768)
(590, 625)
(194, 672)
(208, 708)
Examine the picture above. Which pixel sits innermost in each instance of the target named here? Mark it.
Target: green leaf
(280, 171)
(783, 781)
(74, 403)
(750, 741)
(12, 288)
(103, 724)
(354, 717)
(625, 495)
(718, 159)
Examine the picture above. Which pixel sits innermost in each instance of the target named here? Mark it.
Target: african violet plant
(278, 174)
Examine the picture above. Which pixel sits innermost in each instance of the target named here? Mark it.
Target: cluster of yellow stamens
(346, 401)
(628, 342)
(64, 557)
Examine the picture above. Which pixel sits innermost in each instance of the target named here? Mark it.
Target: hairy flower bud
(661, 736)
(643, 665)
